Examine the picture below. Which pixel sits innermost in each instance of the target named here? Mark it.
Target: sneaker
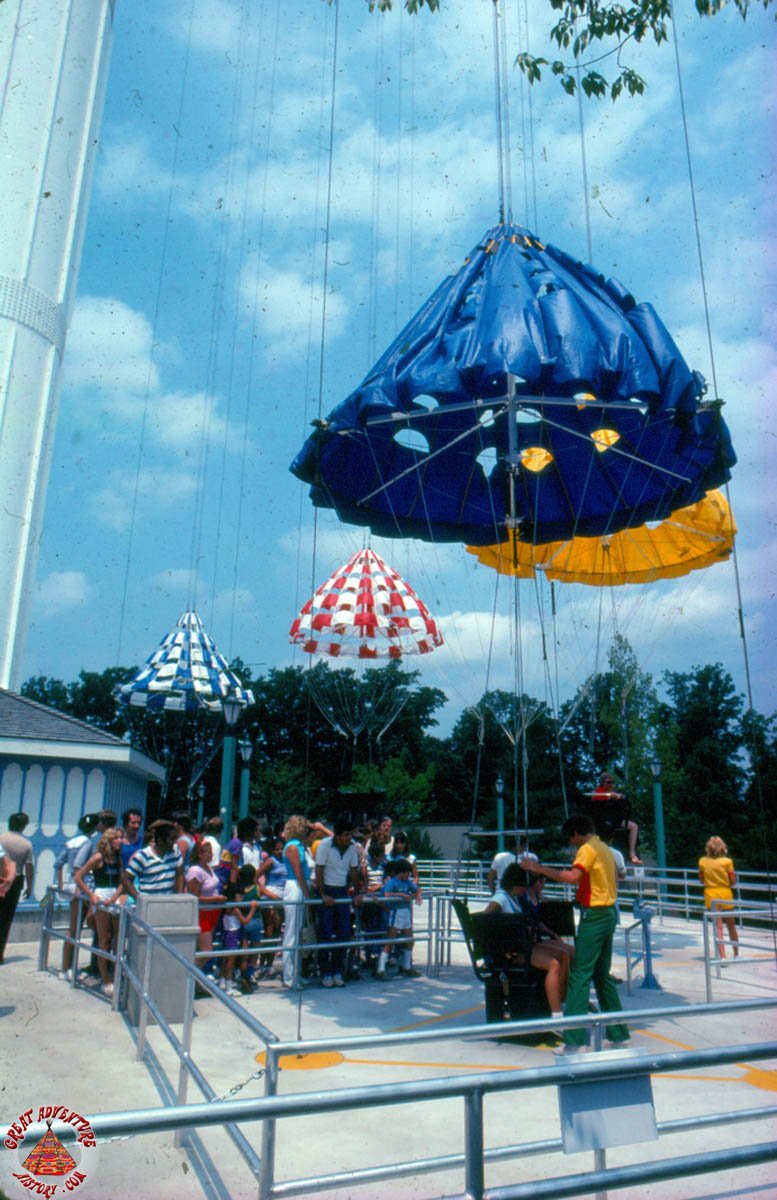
(67, 976)
(569, 1051)
(410, 972)
(107, 989)
(338, 980)
(328, 981)
(380, 974)
(245, 986)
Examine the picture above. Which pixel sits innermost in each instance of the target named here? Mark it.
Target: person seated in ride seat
(608, 805)
(552, 957)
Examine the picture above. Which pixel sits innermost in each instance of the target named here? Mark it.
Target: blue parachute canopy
(527, 392)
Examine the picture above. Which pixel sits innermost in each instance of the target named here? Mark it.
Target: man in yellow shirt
(594, 874)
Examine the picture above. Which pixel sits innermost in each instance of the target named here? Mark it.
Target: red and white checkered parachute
(365, 610)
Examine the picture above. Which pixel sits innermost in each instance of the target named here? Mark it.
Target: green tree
(610, 725)
(700, 744)
(508, 736)
(89, 698)
(407, 792)
(181, 742)
(760, 738)
(51, 692)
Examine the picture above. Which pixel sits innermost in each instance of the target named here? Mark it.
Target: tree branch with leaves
(585, 26)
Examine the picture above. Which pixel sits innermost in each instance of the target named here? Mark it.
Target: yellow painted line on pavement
(462, 1012)
(396, 1062)
(756, 1076)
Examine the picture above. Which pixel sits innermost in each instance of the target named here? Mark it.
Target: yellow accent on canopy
(691, 538)
(535, 458)
(604, 438)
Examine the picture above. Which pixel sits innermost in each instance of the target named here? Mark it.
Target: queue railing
(474, 1155)
(749, 918)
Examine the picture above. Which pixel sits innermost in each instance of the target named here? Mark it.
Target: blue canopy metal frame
(540, 396)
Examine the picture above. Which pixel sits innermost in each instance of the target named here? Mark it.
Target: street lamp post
(231, 707)
(500, 813)
(246, 750)
(658, 813)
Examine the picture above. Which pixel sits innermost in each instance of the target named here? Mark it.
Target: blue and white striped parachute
(185, 673)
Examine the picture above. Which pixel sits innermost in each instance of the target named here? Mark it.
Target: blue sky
(200, 347)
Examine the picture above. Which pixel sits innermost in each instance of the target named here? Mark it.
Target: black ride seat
(500, 946)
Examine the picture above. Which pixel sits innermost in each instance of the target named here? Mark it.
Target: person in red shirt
(609, 805)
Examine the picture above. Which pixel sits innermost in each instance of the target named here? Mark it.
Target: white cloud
(215, 26)
(129, 171)
(109, 348)
(61, 590)
(161, 489)
(289, 309)
(110, 352)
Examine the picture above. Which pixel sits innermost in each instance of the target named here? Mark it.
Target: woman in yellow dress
(717, 874)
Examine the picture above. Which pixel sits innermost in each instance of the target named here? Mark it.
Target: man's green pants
(593, 955)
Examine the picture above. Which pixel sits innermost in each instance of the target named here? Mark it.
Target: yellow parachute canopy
(689, 539)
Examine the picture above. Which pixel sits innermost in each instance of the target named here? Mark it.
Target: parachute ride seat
(499, 947)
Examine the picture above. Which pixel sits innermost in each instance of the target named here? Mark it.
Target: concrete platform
(65, 1046)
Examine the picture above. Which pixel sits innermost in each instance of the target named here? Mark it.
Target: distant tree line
(319, 737)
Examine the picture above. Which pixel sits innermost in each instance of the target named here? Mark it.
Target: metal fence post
(143, 1015)
(82, 909)
(119, 950)
(267, 1176)
(707, 975)
(181, 1137)
(47, 906)
(474, 1183)
(600, 1164)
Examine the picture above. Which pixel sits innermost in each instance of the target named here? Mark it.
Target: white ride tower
(53, 68)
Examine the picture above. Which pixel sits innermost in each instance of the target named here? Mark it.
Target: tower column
(54, 59)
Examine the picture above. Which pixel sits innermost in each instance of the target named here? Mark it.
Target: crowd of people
(262, 893)
(305, 902)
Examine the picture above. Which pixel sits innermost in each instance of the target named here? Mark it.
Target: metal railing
(673, 891)
(754, 914)
(472, 1089)
(422, 934)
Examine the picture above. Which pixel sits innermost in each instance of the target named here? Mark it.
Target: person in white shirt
(337, 868)
(503, 860)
